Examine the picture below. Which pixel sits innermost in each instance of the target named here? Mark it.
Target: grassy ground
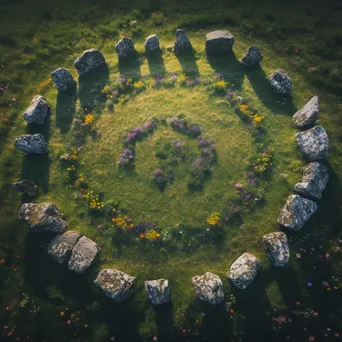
(36, 290)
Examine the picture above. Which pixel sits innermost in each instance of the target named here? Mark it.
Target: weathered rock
(277, 248)
(63, 79)
(152, 43)
(31, 144)
(61, 246)
(42, 217)
(125, 48)
(315, 179)
(209, 288)
(243, 270)
(116, 284)
(314, 143)
(26, 187)
(182, 43)
(158, 291)
(37, 111)
(280, 82)
(219, 41)
(252, 56)
(296, 212)
(89, 60)
(307, 115)
(83, 254)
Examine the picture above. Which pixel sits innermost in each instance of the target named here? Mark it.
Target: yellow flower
(89, 120)
(214, 218)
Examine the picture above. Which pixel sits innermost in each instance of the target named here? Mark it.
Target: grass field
(303, 39)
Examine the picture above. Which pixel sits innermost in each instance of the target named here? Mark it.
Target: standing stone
(26, 187)
(219, 41)
(209, 288)
(280, 82)
(37, 111)
(83, 254)
(158, 291)
(63, 79)
(296, 212)
(117, 285)
(61, 246)
(42, 217)
(152, 43)
(182, 43)
(89, 60)
(314, 143)
(315, 178)
(243, 270)
(252, 56)
(31, 144)
(277, 248)
(125, 48)
(308, 115)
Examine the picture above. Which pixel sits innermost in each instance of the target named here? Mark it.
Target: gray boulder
(63, 79)
(209, 288)
(307, 115)
(252, 56)
(125, 48)
(31, 144)
(296, 212)
(277, 248)
(243, 270)
(89, 60)
(314, 143)
(116, 284)
(315, 179)
(26, 187)
(280, 82)
(61, 246)
(152, 43)
(37, 111)
(219, 41)
(158, 291)
(83, 254)
(42, 217)
(182, 43)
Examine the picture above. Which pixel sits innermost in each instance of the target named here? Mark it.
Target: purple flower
(177, 143)
(158, 172)
(115, 92)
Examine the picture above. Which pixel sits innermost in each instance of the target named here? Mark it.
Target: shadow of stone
(276, 102)
(164, 321)
(156, 63)
(228, 65)
(90, 86)
(65, 109)
(188, 62)
(130, 67)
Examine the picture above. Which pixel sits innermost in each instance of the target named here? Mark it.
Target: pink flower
(315, 314)
(337, 335)
(99, 226)
(337, 248)
(238, 186)
(10, 333)
(311, 338)
(325, 283)
(68, 321)
(7, 308)
(5, 327)
(298, 256)
(227, 219)
(298, 303)
(155, 338)
(327, 255)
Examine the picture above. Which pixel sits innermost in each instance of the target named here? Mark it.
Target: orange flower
(113, 219)
(231, 310)
(142, 236)
(62, 313)
(2, 261)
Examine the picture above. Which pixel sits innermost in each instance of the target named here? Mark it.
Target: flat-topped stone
(158, 291)
(62, 79)
(26, 187)
(280, 82)
(116, 284)
(252, 56)
(89, 60)
(277, 248)
(296, 212)
(125, 48)
(83, 255)
(37, 111)
(61, 246)
(219, 41)
(307, 115)
(42, 217)
(314, 143)
(315, 179)
(152, 43)
(209, 288)
(182, 42)
(243, 270)
(31, 144)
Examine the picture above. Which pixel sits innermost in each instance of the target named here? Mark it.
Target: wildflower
(2, 261)
(62, 313)
(238, 186)
(142, 236)
(86, 325)
(99, 226)
(311, 338)
(325, 283)
(214, 218)
(309, 284)
(298, 256)
(231, 310)
(5, 327)
(68, 321)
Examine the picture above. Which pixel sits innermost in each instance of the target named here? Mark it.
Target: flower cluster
(214, 218)
(94, 200)
(138, 133)
(220, 87)
(44, 84)
(139, 86)
(250, 114)
(181, 124)
(90, 120)
(152, 235)
(123, 222)
(263, 162)
(126, 158)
